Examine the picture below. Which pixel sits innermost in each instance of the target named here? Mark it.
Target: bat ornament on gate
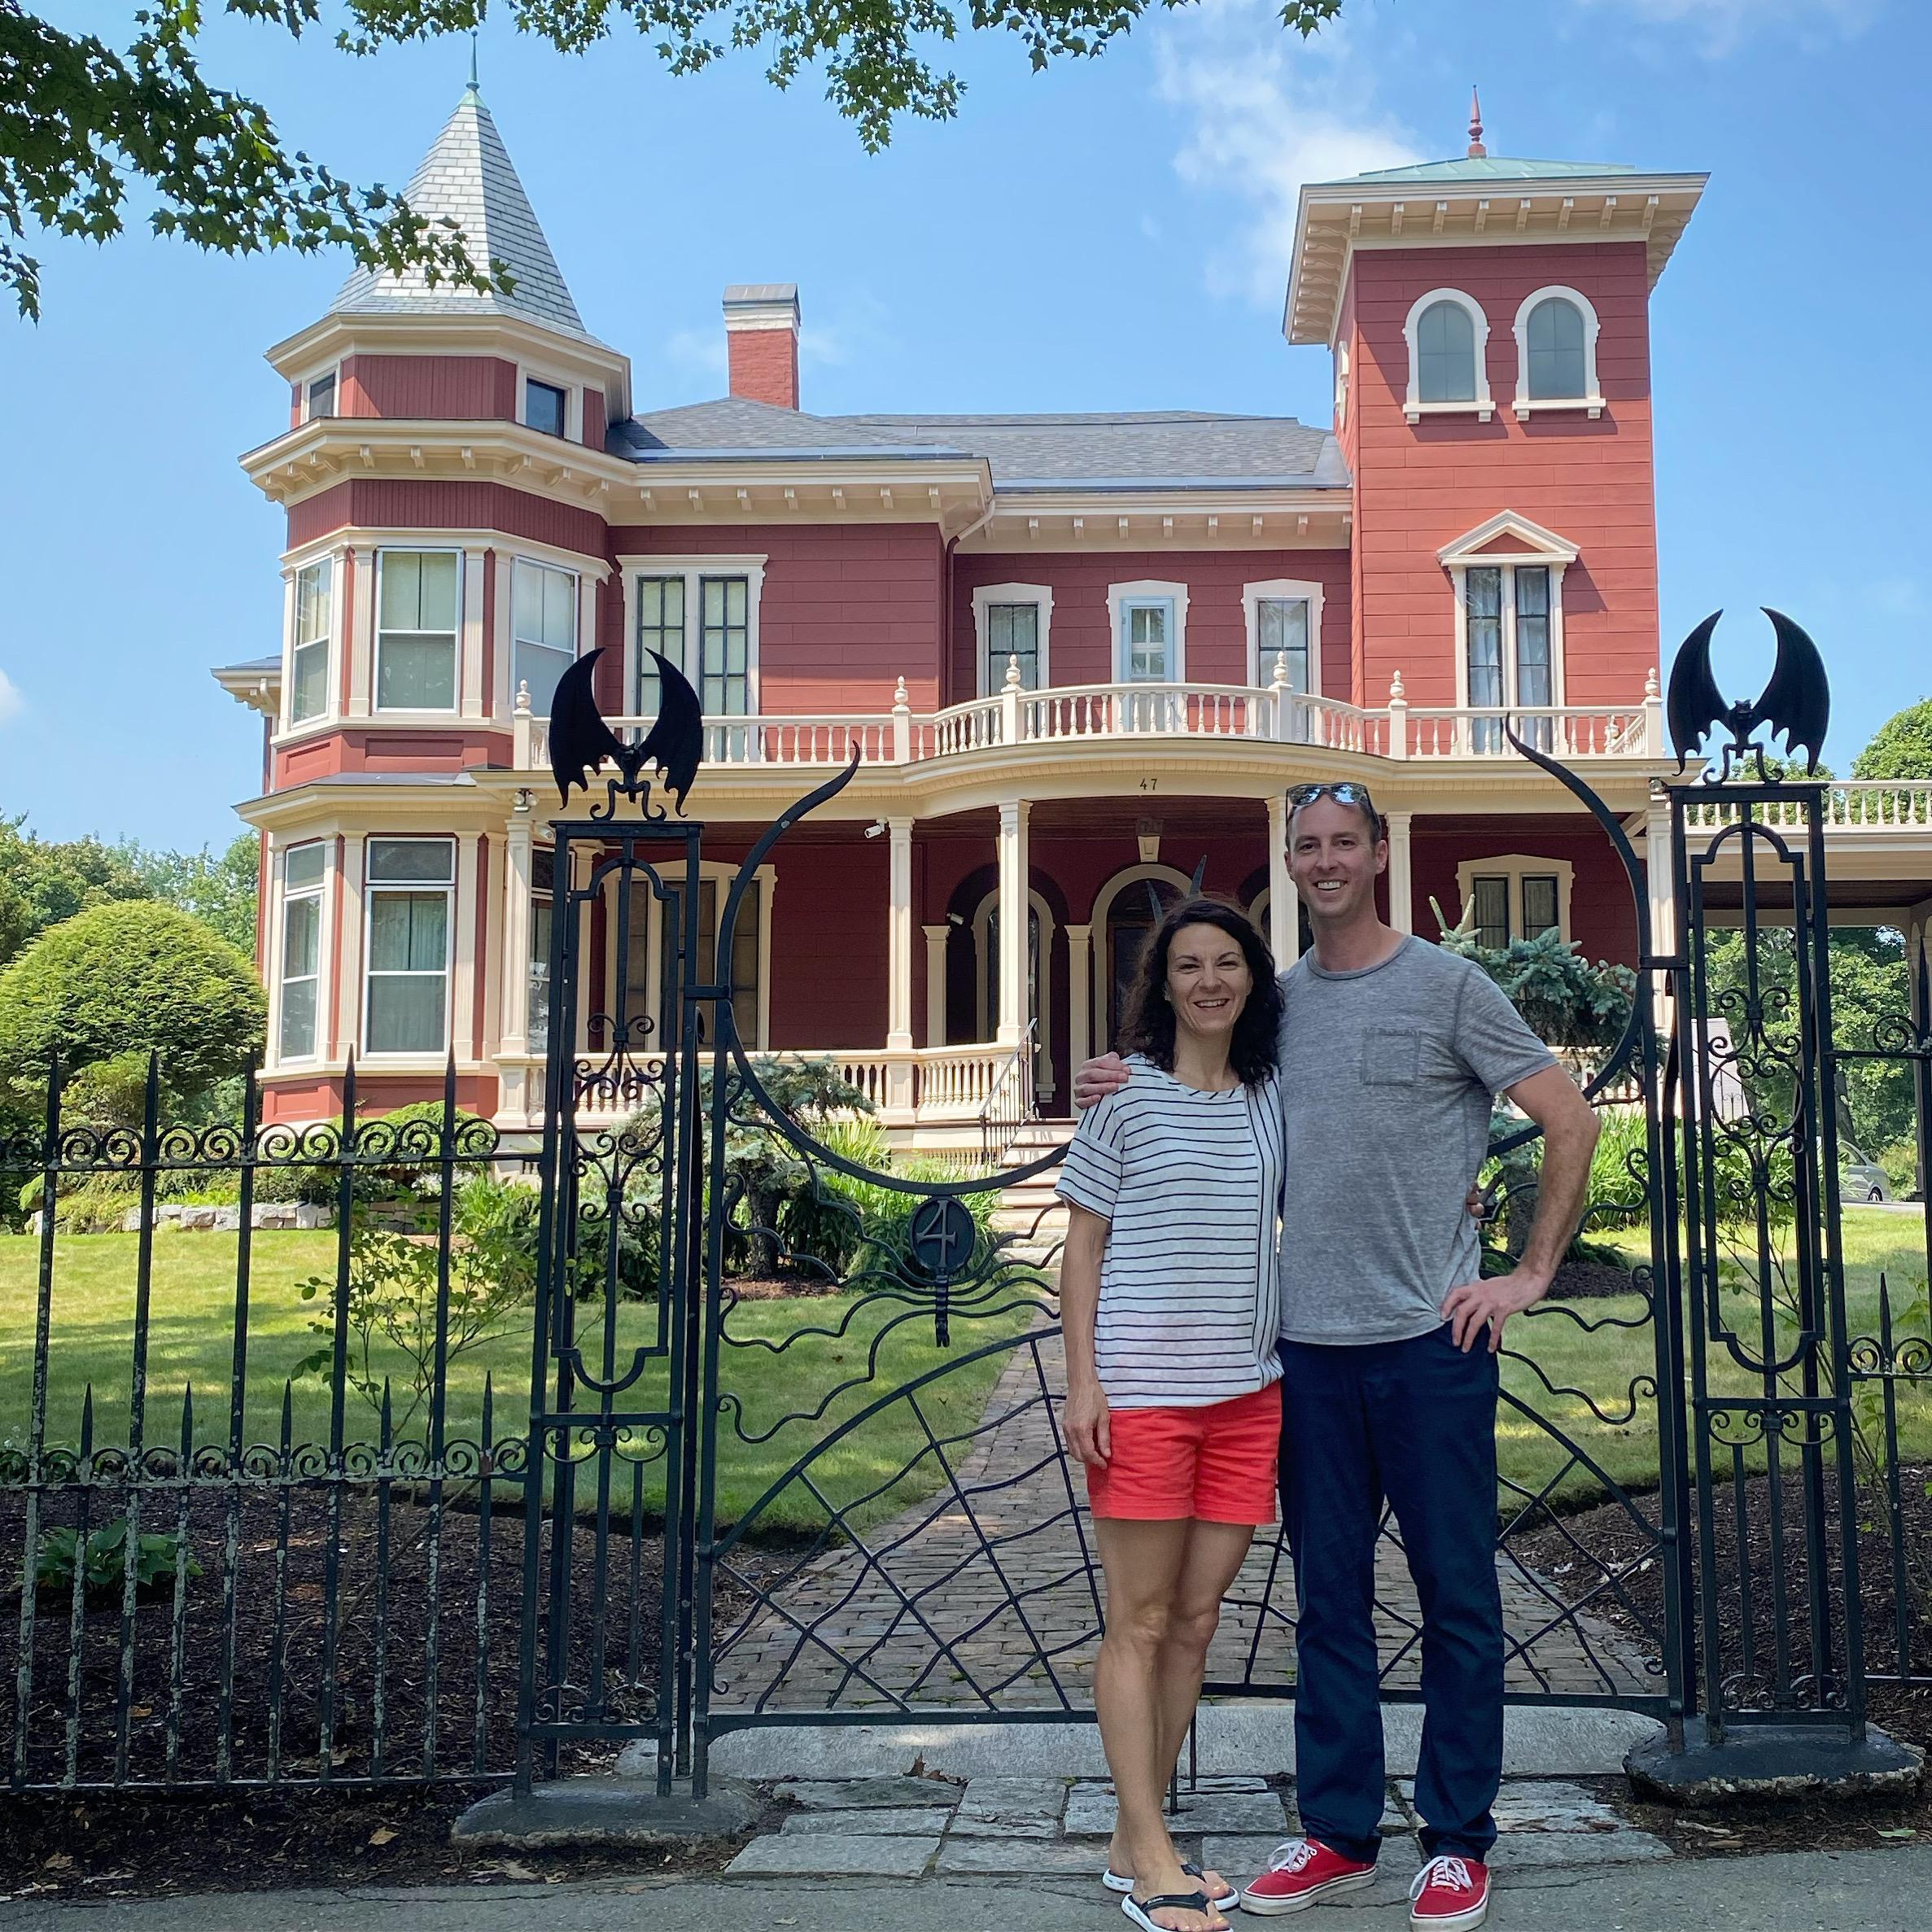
(1796, 704)
(581, 740)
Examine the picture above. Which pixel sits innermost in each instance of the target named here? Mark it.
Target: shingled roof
(1125, 450)
(467, 175)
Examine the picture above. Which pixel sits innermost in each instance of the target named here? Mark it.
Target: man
(1391, 1051)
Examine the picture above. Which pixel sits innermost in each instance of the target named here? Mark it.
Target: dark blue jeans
(1413, 1422)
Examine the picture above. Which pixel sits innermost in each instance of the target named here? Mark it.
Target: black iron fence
(344, 1454)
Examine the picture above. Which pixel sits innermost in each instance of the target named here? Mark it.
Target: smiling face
(1333, 858)
(1208, 981)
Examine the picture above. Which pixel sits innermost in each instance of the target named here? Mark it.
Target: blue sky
(1110, 234)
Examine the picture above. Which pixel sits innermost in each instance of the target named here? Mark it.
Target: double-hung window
(418, 604)
(1281, 635)
(308, 658)
(660, 628)
(1509, 661)
(645, 970)
(723, 678)
(412, 884)
(302, 868)
(543, 628)
(1147, 641)
(1517, 896)
(543, 882)
(1013, 633)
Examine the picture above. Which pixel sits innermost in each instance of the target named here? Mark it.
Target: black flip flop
(1141, 1911)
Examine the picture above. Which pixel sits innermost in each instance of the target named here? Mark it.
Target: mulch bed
(1755, 1824)
(103, 1843)
(388, 1612)
(106, 1845)
(1584, 1281)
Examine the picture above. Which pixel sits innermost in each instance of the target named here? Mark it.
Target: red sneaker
(1304, 1872)
(1449, 1893)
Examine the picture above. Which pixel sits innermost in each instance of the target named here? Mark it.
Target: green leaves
(157, 1560)
(82, 121)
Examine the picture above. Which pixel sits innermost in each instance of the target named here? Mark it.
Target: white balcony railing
(1872, 807)
(1271, 714)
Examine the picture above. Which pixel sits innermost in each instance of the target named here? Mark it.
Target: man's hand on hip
(1097, 1078)
(1480, 1307)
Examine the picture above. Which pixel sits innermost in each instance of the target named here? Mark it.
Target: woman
(1169, 1303)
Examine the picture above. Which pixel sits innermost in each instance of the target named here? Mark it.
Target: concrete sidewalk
(1864, 1892)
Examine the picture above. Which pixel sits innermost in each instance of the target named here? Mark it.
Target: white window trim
(573, 399)
(1592, 400)
(1513, 866)
(327, 719)
(691, 568)
(372, 889)
(389, 713)
(1341, 385)
(1253, 595)
(764, 883)
(315, 376)
(1532, 544)
(1147, 589)
(1040, 596)
(1483, 407)
(324, 892)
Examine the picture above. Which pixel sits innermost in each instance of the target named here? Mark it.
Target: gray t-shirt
(1388, 1079)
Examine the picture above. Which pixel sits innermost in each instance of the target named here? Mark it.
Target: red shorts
(1214, 1462)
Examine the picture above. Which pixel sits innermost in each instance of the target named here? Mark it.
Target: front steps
(1034, 1222)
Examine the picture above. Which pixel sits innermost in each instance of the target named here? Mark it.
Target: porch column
(936, 983)
(1657, 865)
(1013, 909)
(1401, 883)
(514, 998)
(1284, 923)
(1080, 984)
(462, 1000)
(899, 971)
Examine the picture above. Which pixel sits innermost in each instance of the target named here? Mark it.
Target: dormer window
(1556, 353)
(545, 406)
(1448, 336)
(321, 399)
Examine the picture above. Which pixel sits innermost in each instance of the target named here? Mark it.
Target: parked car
(1862, 1180)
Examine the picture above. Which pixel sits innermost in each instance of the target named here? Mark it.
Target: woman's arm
(1086, 1414)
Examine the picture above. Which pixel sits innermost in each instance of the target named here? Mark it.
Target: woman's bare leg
(1144, 1562)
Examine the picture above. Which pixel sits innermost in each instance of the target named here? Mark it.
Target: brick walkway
(988, 1594)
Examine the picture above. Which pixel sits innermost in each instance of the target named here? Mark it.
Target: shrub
(158, 1558)
(406, 1144)
(123, 980)
(1564, 1000)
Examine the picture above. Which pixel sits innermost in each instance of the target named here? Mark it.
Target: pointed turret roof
(467, 175)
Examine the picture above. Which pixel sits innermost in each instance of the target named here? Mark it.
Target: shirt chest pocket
(1392, 1057)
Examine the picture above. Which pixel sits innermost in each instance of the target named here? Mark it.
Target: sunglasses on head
(1343, 792)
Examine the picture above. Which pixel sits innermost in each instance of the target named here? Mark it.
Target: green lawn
(1605, 1359)
(191, 1342)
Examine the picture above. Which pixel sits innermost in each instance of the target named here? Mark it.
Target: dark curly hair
(1149, 1028)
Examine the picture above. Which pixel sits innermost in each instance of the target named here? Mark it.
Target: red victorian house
(1078, 653)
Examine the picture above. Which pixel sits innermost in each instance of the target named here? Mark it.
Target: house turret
(1489, 321)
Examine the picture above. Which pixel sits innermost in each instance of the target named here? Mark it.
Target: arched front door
(1131, 916)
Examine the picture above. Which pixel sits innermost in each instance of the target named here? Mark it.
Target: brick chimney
(761, 331)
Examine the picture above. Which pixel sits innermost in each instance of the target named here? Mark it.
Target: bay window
(542, 629)
(418, 602)
(308, 656)
(411, 887)
(301, 949)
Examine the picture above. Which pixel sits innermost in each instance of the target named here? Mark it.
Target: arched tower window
(1556, 353)
(1448, 336)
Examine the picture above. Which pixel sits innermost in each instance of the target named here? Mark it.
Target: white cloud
(11, 703)
(1725, 24)
(698, 353)
(1266, 111)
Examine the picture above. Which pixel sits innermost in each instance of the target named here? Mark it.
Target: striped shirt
(1190, 1183)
